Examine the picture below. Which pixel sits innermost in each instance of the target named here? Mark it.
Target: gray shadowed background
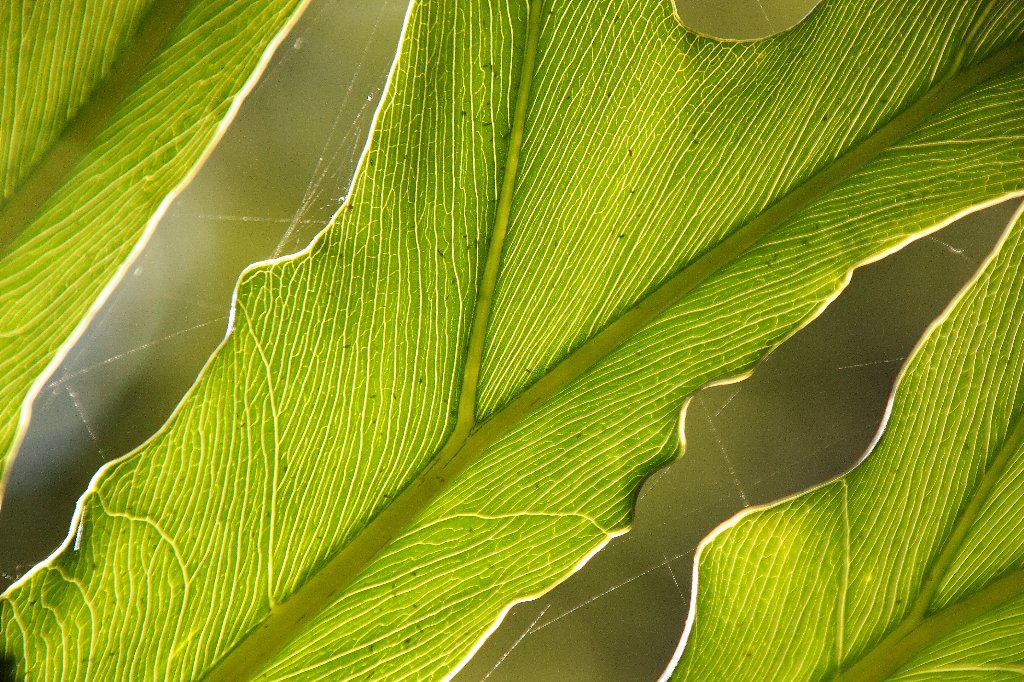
(283, 168)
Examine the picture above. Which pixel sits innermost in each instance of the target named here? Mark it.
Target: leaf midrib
(470, 438)
(74, 141)
(918, 629)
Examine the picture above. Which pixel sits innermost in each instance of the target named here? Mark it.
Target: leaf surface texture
(909, 567)
(106, 107)
(571, 216)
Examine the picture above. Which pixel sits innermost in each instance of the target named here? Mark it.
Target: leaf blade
(146, 135)
(396, 279)
(902, 577)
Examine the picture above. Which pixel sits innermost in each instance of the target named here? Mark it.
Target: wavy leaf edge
(25, 413)
(78, 515)
(739, 516)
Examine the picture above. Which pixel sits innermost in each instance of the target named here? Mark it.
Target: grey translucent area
(275, 180)
(270, 185)
(743, 19)
(806, 415)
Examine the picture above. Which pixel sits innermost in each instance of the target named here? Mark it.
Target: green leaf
(107, 107)
(909, 567)
(571, 216)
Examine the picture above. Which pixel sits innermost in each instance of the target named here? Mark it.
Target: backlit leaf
(106, 106)
(910, 566)
(571, 216)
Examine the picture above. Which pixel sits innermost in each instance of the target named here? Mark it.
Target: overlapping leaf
(572, 215)
(105, 108)
(910, 566)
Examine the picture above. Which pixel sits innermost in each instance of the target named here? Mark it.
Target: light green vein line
(485, 296)
(69, 148)
(285, 618)
(918, 630)
(465, 445)
(844, 585)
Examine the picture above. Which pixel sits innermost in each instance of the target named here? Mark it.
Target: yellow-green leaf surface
(106, 106)
(572, 214)
(912, 566)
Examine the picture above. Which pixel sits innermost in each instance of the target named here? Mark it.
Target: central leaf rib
(919, 629)
(485, 294)
(69, 148)
(470, 438)
(286, 617)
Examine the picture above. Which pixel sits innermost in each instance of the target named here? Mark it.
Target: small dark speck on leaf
(8, 669)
